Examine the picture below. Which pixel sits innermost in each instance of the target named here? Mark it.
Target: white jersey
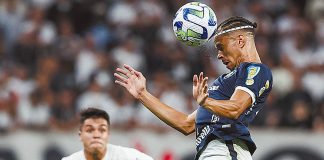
(114, 153)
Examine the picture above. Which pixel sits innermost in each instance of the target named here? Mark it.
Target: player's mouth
(96, 142)
(225, 63)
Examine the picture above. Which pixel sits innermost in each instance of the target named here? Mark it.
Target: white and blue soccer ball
(194, 24)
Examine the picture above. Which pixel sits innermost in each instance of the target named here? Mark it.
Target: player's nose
(96, 134)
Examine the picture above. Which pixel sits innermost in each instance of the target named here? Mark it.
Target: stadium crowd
(57, 58)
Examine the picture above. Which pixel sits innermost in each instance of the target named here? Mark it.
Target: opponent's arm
(232, 108)
(135, 83)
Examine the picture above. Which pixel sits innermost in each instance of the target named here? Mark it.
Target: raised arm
(232, 108)
(135, 83)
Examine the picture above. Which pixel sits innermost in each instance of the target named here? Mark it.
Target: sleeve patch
(266, 86)
(252, 72)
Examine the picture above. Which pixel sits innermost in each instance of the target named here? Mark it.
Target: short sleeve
(253, 79)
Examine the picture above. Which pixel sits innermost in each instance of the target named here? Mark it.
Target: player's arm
(232, 108)
(135, 83)
(178, 120)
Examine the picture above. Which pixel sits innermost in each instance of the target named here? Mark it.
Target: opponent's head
(234, 38)
(94, 130)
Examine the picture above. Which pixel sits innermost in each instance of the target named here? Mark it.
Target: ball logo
(192, 33)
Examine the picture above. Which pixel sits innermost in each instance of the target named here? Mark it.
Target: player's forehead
(221, 38)
(95, 122)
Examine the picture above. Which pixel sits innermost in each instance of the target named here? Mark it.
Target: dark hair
(93, 113)
(234, 22)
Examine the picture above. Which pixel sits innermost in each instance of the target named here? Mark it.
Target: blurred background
(57, 57)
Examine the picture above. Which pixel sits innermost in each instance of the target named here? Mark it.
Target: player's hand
(132, 80)
(199, 88)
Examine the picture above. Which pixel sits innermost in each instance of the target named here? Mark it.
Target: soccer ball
(194, 24)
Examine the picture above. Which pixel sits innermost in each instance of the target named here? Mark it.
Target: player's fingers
(205, 88)
(138, 74)
(133, 71)
(120, 78)
(201, 75)
(122, 71)
(120, 83)
(127, 74)
(205, 81)
(129, 68)
(195, 80)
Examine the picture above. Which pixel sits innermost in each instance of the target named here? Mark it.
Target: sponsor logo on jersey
(214, 119)
(213, 88)
(252, 72)
(204, 132)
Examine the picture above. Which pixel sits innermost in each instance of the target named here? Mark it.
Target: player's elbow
(187, 132)
(187, 129)
(232, 115)
(235, 115)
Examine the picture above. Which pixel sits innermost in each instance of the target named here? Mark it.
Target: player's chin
(228, 66)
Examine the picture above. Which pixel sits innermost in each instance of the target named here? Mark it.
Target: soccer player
(227, 106)
(94, 134)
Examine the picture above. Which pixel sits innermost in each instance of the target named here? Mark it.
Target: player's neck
(250, 54)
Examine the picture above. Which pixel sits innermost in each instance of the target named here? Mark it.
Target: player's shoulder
(116, 148)
(253, 64)
(75, 156)
(127, 153)
(255, 68)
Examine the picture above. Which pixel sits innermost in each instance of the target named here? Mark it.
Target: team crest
(252, 72)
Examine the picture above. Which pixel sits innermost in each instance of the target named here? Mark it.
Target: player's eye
(219, 47)
(102, 130)
(89, 130)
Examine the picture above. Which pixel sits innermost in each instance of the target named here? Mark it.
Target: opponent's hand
(199, 88)
(131, 79)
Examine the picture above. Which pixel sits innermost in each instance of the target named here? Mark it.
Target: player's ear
(241, 40)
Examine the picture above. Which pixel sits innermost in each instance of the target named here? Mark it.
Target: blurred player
(94, 134)
(227, 106)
